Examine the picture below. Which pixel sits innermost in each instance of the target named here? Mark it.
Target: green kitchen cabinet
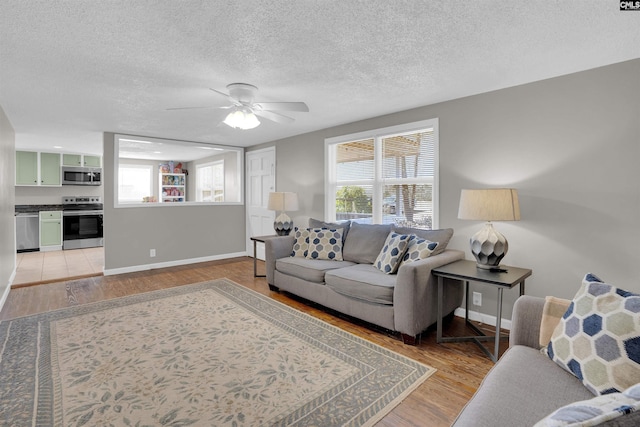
(72, 159)
(34, 168)
(92, 161)
(26, 168)
(81, 160)
(50, 169)
(50, 230)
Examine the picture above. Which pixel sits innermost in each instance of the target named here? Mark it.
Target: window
(135, 183)
(384, 176)
(210, 182)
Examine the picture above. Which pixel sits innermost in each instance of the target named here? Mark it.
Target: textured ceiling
(70, 70)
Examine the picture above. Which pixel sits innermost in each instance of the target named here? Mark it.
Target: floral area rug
(208, 354)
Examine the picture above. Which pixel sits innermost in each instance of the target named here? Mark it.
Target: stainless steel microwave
(73, 175)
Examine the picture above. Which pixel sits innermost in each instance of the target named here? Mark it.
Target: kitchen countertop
(22, 209)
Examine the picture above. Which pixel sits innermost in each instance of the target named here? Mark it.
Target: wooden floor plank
(460, 366)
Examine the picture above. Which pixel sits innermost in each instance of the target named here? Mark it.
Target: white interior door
(261, 180)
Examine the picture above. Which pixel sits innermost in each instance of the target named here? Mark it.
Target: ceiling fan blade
(190, 108)
(221, 93)
(274, 117)
(283, 106)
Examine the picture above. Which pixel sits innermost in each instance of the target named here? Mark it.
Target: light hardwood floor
(460, 366)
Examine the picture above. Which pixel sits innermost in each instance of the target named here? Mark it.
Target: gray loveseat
(405, 302)
(525, 386)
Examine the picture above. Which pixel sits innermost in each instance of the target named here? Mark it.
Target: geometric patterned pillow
(325, 244)
(598, 338)
(594, 411)
(301, 245)
(418, 249)
(553, 310)
(390, 256)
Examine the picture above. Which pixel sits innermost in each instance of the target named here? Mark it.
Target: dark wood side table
(468, 272)
(255, 240)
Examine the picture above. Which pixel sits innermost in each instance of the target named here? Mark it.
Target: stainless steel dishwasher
(27, 232)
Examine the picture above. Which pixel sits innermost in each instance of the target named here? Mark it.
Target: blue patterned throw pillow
(301, 244)
(390, 256)
(418, 249)
(325, 244)
(598, 338)
(595, 411)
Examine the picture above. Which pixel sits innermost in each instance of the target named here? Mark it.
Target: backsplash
(53, 195)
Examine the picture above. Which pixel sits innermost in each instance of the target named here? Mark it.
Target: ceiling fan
(244, 108)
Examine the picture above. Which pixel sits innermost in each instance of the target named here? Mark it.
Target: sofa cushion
(598, 338)
(344, 225)
(595, 410)
(441, 236)
(301, 244)
(390, 256)
(418, 249)
(362, 281)
(307, 269)
(553, 310)
(325, 244)
(364, 242)
(523, 387)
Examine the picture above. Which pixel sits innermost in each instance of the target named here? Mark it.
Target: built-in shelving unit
(172, 187)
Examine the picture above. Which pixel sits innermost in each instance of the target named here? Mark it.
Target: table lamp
(283, 201)
(489, 246)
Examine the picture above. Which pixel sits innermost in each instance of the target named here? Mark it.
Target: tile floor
(35, 267)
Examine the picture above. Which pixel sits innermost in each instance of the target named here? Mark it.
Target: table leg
(522, 288)
(439, 314)
(466, 301)
(496, 352)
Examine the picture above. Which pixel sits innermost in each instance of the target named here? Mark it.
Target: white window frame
(379, 181)
(151, 171)
(205, 165)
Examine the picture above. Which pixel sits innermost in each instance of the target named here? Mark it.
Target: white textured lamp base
(488, 246)
(283, 224)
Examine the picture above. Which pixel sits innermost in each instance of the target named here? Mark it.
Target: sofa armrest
(525, 321)
(415, 293)
(275, 248)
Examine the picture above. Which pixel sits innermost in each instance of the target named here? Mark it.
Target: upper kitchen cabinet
(34, 168)
(26, 168)
(81, 160)
(50, 169)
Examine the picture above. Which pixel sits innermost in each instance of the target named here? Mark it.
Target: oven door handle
(81, 213)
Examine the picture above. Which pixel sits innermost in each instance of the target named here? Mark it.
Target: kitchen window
(135, 182)
(210, 182)
(384, 176)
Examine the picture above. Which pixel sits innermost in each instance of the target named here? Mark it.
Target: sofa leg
(273, 288)
(409, 339)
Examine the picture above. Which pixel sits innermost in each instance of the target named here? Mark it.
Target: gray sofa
(525, 385)
(404, 302)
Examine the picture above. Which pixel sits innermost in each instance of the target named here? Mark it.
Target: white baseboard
(146, 267)
(5, 294)
(483, 318)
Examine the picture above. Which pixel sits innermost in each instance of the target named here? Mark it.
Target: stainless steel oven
(82, 222)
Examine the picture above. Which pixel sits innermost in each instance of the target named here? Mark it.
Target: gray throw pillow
(364, 242)
(316, 223)
(441, 236)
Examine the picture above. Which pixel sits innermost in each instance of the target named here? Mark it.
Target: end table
(255, 240)
(467, 271)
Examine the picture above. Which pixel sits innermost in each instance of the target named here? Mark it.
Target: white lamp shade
(494, 204)
(283, 201)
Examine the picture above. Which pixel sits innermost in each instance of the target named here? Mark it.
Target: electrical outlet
(152, 253)
(477, 298)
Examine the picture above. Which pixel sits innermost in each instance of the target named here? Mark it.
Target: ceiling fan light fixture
(242, 118)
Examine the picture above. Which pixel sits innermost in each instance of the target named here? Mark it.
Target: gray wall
(176, 232)
(570, 145)
(7, 203)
